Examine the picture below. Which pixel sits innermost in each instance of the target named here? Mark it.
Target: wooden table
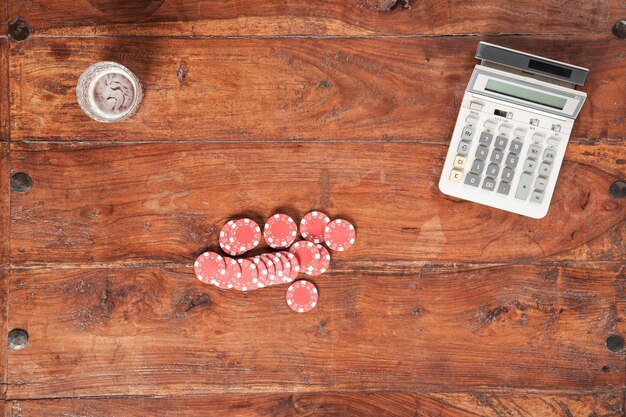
(443, 308)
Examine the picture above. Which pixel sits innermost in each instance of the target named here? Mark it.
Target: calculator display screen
(515, 91)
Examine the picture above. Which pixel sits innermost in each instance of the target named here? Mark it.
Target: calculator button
(496, 156)
(534, 122)
(534, 151)
(489, 184)
(530, 165)
(501, 143)
(456, 175)
(538, 137)
(516, 147)
(481, 152)
(485, 138)
(460, 162)
(468, 133)
(545, 168)
(541, 183)
(537, 197)
(472, 179)
(478, 166)
(523, 189)
(464, 148)
(507, 174)
(504, 188)
(471, 120)
(549, 155)
(511, 160)
(493, 170)
(519, 133)
(476, 105)
(490, 124)
(554, 141)
(506, 129)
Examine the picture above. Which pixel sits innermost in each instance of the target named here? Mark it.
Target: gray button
(511, 160)
(516, 147)
(537, 197)
(478, 166)
(523, 189)
(541, 183)
(493, 170)
(472, 179)
(496, 156)
(504, 188)
(501, 142)
(530, 165)
(468, 133)
(549, 155)
(481, 152)
(489, 184)
(534, 151)
(485, 138)
(464, 148)
(545, 168)
(507, 174)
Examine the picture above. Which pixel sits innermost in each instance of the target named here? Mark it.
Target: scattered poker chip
(324, 262)
(302, 296)
(225, 244)
(264, 280)
(249, 277)
(280, 231)
(244, 235)
(339, 235)
(231, 274)
(308, 256)
(271, 269)
(286, 267)
(295, 265)
(208, 266)
(312, 226)
(278, 266)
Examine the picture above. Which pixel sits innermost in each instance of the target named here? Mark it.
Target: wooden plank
(301, 17)
(396, 404)
(289, 89)
(5, 201)
(159, 331)
(162, 203)
(4, 88)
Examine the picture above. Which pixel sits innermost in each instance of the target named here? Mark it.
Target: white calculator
(514, 124)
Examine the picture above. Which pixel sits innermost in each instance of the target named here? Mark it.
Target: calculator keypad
(498, 156)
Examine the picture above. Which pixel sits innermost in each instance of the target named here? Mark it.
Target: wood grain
(159, 331)
(164, 203)
(301, 17)
(289, 89)
(4, 88)
(396, 404)
(5, 225)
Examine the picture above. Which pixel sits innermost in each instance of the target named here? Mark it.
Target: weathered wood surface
(289, 89)
(157, 331)
(302, 17)
(4, 89)
(604, 403)
(160, 203)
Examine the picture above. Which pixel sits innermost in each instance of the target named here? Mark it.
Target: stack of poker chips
(282, 266)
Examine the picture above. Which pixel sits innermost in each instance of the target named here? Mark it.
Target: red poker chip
(271, 269)
(225, 244)
(312, 226)
(295, 265)
(264, 280)
(308, 256)
(286, 267)
(339, 235)
(324, 262)
(231, 274)
(249, 277)
(244, 235)
(302, 296)
(208, 266)
(279, 266)
(280, 231)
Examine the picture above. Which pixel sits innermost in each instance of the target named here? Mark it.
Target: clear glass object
(109, 92)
